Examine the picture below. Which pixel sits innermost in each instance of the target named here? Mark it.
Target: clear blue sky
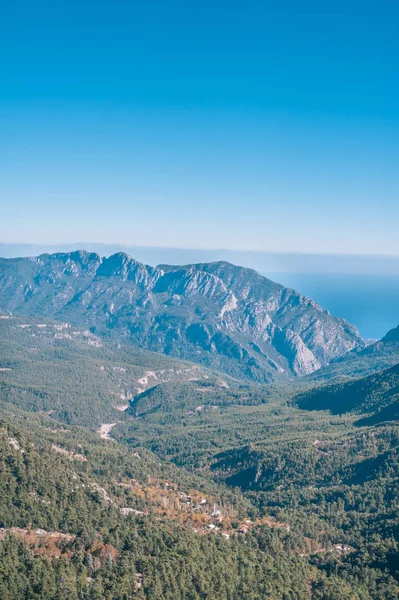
(245, 125)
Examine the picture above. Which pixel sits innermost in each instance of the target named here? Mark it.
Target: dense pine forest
(127, 474)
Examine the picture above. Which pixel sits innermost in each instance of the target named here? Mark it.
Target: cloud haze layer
(264, 262)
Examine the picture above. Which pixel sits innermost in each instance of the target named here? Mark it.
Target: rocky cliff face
(226, 317)
(361, 362)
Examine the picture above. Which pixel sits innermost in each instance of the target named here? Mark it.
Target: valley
(195, 471)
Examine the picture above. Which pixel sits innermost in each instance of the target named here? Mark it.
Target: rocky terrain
(225, 317)
(361, 362)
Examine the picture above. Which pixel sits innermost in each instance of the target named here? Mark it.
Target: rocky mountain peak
(116, 265)
(123, 267)
(81, 257)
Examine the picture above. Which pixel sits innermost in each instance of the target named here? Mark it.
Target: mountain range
(225, 317)
(135, 474)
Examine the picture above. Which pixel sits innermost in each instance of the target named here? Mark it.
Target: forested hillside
(376, 395)
(74, 375)
(64, 536)
(128, 474)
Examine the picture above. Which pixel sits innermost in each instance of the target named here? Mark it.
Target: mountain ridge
(226, 317)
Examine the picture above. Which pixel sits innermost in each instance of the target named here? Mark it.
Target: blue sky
(243, 125)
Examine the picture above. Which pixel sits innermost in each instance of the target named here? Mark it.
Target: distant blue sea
(371, 302)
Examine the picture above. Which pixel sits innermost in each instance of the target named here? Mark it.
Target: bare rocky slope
(217, 314)
(362, 362)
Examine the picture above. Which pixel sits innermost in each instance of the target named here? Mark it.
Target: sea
(370, 302)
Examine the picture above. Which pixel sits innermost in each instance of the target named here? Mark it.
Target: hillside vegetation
(128, 474)
(377, 395)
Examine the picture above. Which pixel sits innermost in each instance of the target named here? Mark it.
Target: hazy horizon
(257, 259)
(88, 244)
